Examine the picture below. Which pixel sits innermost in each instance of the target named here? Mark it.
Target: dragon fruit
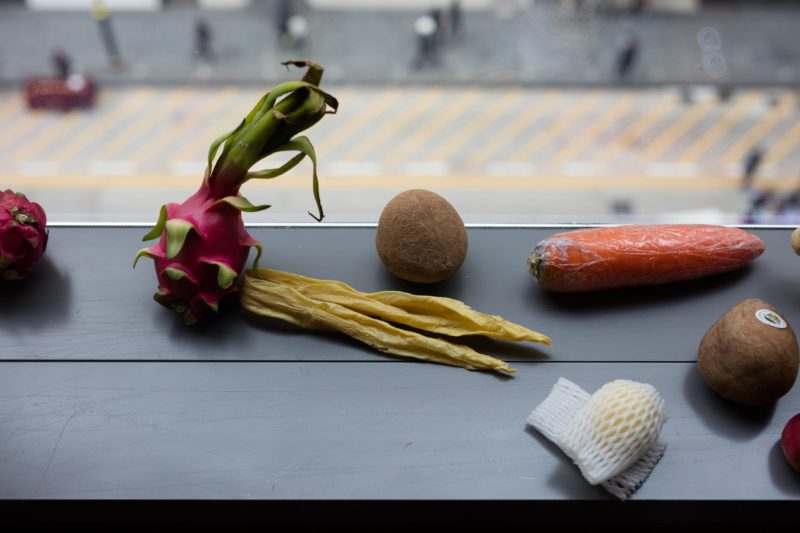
(23, 234)
(204, 244)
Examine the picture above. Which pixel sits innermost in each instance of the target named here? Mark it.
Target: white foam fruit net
(611, 435)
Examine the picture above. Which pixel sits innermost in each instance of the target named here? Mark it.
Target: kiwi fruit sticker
(770, 318)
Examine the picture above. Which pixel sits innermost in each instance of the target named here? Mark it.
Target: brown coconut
(747, 360)
(421, 237)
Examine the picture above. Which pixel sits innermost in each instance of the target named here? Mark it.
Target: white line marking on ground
(673, 170)
(584, 168)
(39, 168)
(426, 168)
(188, 167)
(509, 168)
(114, 167)
(354, 168)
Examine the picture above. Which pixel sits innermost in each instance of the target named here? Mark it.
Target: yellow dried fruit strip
(436, 314)
(279, 300)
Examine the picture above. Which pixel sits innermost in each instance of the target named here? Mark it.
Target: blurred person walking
(426, 28)
(292, 24)
(724, 92)
(788, 209)
(297, 31)
(456, 19)
(61, 63)
(102, 15)
(687, 98)
(202, 40)
(750, 167)
(759, 200)
(438, 34)
(283, 11)
(626, 56)
(758, 211)
(636, 7)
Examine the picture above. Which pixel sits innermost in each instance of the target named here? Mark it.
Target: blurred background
(517, 111)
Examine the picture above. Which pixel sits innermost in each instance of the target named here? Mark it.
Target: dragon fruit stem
(21, 217)
(267, 128)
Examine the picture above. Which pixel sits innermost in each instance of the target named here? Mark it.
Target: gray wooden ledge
(86, 302)
(354, 431)
(106, 395)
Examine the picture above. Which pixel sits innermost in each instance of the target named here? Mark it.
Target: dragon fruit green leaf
(275, 172)
(226, 275)
(177, 231)
(243, 204)
(159, 227)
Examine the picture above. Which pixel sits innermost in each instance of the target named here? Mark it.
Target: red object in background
(790, 442)
(76, 91)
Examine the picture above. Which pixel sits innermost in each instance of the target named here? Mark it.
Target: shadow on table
(638, 297)
(783, 475)
(566, 477)
(449, 288)
(218, 329)
(779, 284)
(38, 301)
(724, 417)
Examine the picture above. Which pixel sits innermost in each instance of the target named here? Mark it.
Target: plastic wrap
(613, 436)
(627, 256)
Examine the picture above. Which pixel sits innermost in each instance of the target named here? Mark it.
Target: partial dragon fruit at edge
(204, 244)
(23, 235)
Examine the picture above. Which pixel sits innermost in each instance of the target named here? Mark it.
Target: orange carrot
(628, 256)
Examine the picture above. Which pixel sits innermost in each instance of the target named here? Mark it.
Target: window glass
(516, 111)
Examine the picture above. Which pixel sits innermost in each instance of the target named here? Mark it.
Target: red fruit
(203, 243)
(790, 441)
(23, 235)
(203, 247)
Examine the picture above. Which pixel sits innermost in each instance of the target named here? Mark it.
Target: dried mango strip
(436, 314)
(278, 300)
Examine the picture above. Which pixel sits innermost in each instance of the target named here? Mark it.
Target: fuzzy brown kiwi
(749, 360)
(421, 237)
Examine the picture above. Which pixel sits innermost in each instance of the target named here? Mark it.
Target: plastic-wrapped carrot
(628, 256)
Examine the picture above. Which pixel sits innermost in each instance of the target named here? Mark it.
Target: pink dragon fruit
(204, 244)
(23, 235)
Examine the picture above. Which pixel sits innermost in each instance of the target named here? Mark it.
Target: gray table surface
(104, 394)
(86, 302)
